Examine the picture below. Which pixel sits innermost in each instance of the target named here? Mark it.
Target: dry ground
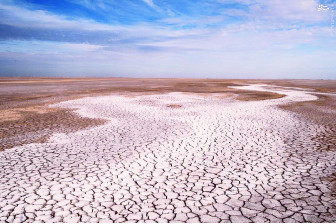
(167, 157)
(321, 111)
(24, 117)
(210, 160)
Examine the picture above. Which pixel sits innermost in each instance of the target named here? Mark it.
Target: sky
(169, 38)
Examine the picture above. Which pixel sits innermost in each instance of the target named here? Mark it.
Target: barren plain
(167, 150)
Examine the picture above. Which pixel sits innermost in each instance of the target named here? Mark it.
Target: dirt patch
(252, 96)
(332, 180)
(36, 126)
(324, 86)
(174, 105)
(321, 112)
(17, 113)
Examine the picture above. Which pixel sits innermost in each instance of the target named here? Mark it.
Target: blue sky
(168, 38)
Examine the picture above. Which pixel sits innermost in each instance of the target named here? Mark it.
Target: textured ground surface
(24, 118)
(37, 127)
(203, 159)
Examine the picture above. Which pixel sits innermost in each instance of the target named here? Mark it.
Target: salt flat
(210, 160)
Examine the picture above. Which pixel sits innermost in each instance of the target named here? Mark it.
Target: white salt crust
(211, 160)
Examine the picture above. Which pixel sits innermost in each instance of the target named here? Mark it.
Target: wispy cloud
(191, 38)
(150, 3)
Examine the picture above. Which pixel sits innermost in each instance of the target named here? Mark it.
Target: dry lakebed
(227, 151)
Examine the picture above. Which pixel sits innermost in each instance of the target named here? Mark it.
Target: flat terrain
(167, 150)
(24, 117)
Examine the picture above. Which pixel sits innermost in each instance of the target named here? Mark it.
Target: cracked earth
(206, 159)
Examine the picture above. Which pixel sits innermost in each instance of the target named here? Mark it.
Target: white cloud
(82, 47)
(150, 3)
(265, 41)
(19, 16)
(286, 10)
(154, 6)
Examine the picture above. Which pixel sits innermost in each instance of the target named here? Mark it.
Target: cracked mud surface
(207, 160)
(24, 117)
